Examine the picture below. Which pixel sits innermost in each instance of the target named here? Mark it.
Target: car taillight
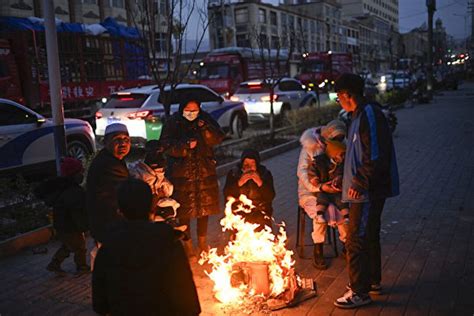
(138, 115)
(98, 115)
(266, 98)
(234, 98)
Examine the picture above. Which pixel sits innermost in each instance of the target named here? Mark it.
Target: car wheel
(237, 126)
(78, 149)
(313, 103)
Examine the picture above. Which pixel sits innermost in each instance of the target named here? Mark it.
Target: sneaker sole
(352, 306)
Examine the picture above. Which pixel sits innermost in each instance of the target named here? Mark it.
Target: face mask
(190, 115)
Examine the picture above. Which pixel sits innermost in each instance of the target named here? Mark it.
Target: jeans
(363, 245)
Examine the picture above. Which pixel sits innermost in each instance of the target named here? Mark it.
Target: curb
(32, 238)
(265, 154)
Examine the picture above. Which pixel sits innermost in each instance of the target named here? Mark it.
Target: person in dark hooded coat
(188, 137)
(253, 180)
(141, 268)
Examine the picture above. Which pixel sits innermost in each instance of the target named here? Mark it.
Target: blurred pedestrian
(370, 176)
(189, 137)
(141, 268)
(67, 198)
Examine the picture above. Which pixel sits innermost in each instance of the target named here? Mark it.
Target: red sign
(90, 90)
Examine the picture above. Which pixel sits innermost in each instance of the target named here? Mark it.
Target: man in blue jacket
(370, 176)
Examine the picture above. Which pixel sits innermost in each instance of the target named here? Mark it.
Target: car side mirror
(221, 99)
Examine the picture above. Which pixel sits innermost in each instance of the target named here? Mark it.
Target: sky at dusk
(412, 13)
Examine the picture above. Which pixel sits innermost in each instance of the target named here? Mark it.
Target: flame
(249, 246)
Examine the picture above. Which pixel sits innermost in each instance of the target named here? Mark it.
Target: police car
(141, 110)
(289, 94)
(27, 141)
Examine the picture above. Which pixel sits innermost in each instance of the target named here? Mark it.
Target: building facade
(386, 10)
(256, 24)
(415, 45)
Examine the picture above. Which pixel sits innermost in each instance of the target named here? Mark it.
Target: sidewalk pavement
(427, 232)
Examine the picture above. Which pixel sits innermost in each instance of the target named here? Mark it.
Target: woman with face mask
(189, 136)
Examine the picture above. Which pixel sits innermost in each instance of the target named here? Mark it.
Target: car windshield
(314, 66)
(214, 71)
(249, 88)
(120, 101)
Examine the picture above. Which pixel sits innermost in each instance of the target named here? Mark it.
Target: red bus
(321, 69)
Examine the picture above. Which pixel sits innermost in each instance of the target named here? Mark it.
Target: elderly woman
(188, 137)
(313, 144)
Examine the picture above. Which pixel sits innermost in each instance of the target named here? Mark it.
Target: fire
(250, 251)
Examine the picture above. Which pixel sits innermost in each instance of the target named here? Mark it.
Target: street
(427, 232)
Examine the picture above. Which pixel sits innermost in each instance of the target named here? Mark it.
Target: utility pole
(431, 4)
(54, 82)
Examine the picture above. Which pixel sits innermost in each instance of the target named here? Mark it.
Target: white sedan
(289, 94)
(27, 140)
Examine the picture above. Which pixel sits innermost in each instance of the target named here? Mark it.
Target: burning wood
(255, 263)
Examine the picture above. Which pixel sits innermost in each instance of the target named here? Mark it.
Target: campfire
(255, 263)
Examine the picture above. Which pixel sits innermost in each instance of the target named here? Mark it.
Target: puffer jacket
(193, 171)
(370, 164)
(68, 201)
(312, 145)
(141, 269)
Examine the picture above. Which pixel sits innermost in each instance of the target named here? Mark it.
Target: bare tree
(275, 62)
(164, 33)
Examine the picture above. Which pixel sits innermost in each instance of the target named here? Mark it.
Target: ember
(255, 263)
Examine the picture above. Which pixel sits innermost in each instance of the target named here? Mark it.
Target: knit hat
(116, 128)
(333, 129)
(334, 148)
(70, 167)
(352, 83)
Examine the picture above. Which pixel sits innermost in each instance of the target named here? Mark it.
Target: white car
(27, 140)
(289, 94)
(141, 110)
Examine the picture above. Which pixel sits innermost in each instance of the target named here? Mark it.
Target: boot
(318, 261)
(188, 248)
(202, 242)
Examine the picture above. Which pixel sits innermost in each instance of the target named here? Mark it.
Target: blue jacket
(370, 164)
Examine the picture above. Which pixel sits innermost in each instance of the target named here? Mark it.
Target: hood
(185, 101)
(252, 154)
(311, 137)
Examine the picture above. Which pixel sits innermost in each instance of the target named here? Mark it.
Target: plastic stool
(300, 234)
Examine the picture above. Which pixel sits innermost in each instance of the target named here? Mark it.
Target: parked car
(142, 110)
(27, 141)
(289, 94)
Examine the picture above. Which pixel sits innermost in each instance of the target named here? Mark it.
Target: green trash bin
(153, 127)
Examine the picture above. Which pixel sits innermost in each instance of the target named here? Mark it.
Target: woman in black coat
(256, 182)
(188, 137)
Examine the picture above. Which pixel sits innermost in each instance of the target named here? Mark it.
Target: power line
(425, 12)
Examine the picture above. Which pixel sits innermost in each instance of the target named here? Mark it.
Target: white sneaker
(352, 300)
(320, 219)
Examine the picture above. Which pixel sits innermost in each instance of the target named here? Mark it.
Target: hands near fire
(252, 175)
